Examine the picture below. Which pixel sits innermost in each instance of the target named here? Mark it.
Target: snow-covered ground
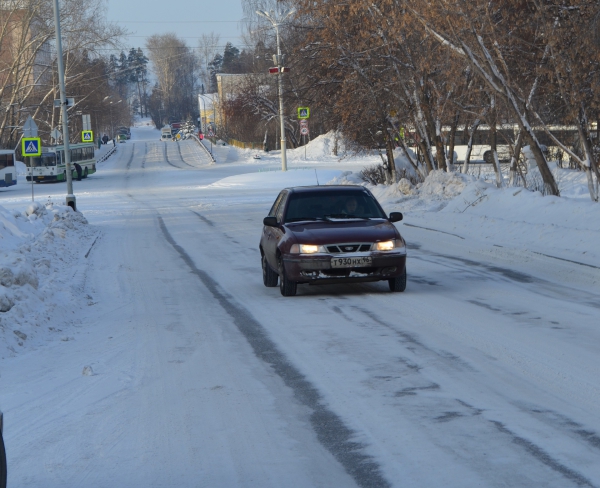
(138, 346)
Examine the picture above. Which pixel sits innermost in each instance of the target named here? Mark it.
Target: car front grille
(350, 247)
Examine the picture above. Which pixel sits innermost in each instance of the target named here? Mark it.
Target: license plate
(351, 262)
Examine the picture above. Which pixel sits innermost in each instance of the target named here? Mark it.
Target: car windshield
(332, 205)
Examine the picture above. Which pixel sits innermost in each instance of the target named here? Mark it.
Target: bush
(375, 175)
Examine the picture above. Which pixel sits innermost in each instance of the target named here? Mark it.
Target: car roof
(325, 188)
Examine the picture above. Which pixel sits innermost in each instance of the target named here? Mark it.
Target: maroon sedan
(330, 234)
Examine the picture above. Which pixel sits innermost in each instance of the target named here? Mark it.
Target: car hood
(340, 231)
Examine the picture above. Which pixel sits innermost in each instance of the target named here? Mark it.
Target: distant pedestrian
(105, 139)
(78, 169)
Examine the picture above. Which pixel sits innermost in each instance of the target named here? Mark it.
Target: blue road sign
(87, 136)
(303, 112)
(31, 146)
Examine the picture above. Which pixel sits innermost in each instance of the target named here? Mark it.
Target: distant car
(127, 135)
(330, 234)
(3, 468)
(125, 130)
(122, 137)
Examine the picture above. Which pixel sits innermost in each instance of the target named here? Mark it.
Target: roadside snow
(36, 294)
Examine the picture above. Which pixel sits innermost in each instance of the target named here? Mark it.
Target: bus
(8, 171)
(50, 166)
(506, 136)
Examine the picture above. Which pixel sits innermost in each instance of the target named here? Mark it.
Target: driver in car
(350, 206)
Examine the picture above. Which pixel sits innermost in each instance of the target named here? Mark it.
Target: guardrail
(195, 137)
(107, 155)
(245, 145)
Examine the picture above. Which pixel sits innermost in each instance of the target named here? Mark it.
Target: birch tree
(485, 35)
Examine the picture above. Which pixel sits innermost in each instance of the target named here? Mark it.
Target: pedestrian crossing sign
(87, 136)
(303, 112)
(31, 146)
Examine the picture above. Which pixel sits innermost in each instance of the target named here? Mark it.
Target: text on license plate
(354, 262)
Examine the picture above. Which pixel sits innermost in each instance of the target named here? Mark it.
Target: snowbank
(40, 251)
(278, 179)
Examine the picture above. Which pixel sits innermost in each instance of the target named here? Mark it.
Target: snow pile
(330, 145)
(347, 178)
(443, 185)
(40, 249)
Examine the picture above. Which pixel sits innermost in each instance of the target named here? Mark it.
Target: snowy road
(484, 373)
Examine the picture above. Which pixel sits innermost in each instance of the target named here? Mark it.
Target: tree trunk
(494, 147)
(515, 158)
(472, 132)
(582, 127)
(450, 154)
(413, 163)
(391, 164)
(542, 164)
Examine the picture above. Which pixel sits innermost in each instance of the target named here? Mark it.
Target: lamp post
(276, 21)
(70, 199)
(112, 128)
(204, 105)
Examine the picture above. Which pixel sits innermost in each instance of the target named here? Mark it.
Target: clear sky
(188, 19)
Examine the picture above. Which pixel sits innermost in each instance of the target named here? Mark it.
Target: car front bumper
(316, 269)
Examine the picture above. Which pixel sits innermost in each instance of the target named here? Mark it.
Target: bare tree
(208, 46)
(175, 66)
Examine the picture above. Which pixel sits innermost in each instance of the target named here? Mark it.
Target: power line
(179, 21)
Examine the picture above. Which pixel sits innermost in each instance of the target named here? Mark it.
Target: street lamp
(276, 21)
(204, 105)
(112, 128)
(70, 199)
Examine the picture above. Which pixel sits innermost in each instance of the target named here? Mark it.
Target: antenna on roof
(317, 177)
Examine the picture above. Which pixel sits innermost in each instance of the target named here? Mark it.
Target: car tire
(488, 157)
(398, 284)
(3, 469)
(287, 287)
(270, 277)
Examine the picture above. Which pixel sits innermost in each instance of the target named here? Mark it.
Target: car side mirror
(270, 221)
(396, 217)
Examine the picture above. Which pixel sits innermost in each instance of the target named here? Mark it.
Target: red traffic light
(273, 71)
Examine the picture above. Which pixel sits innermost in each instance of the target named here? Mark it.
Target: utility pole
(276, 21)
(70, 200)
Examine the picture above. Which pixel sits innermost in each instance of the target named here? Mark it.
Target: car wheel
(270, 277)
(2, 464)
(287, 287)
(488, 157)
(398, 283)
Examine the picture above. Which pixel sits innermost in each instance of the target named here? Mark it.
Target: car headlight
(391, 245)
(306, 249)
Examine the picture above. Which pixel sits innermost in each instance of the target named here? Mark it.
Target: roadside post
(278, 59)
(303, 115)
(33, 148)
(87, 134)
(209, 135)
(70, 198)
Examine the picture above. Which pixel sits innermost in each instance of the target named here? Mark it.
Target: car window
(273, 210)
(280, 209)
(334, 204)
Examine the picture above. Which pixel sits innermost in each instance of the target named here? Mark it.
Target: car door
(272, 235)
